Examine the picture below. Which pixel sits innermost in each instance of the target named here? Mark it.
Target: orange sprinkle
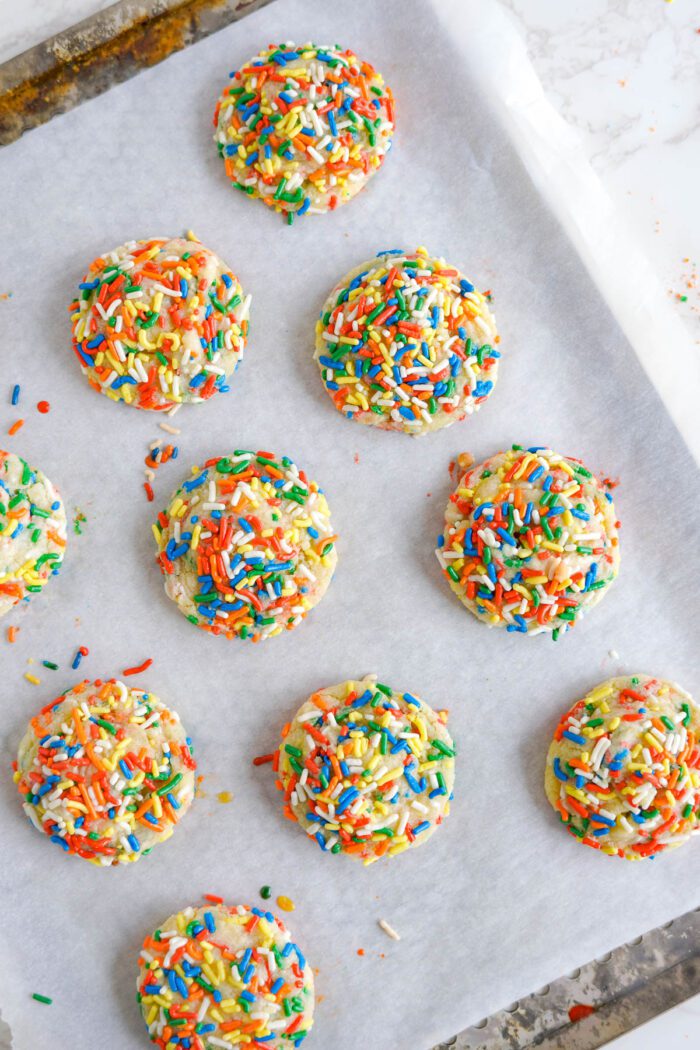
(12, 634)
(15, 427)
(137, 670)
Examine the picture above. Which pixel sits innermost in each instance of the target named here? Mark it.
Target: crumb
(356, 457)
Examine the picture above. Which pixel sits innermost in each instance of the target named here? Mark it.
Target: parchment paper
(501, 900)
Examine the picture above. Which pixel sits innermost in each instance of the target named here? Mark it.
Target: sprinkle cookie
(106, 771)
(304, 128)
(530, 541)
(405, 342)
(246, 545)
(32, 530)
(221, 976)
(365, 770)
(623, 770)
(159, 323)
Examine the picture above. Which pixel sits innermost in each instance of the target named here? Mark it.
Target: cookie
(159, 323)
(623, 768)
(246, 545)
(106, 771)
(366, 770)
(32, 530)
(229, 976)
(304, 128)
(530, 541)
(405, 342)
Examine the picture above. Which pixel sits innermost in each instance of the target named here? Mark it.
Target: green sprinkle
(42, 998)
(265, 893)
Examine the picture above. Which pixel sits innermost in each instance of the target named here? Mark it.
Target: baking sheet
(501, 900)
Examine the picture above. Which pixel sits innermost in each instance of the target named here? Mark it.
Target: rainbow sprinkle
(623, 770)
(32, 530)
(530, 541)
(304, 128)
(246, 545)
(106, 772)
(158, 323)
(365, 770)
(405, 342)
(221, 976)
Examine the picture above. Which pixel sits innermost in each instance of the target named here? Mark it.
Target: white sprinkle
(168, 429)
(389, 930)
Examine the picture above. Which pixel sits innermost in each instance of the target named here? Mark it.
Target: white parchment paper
(501, 900)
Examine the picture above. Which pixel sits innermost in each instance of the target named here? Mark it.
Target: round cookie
(365, 770)
(32, 530)
(246, 545)
(405, 342)
(530, 541)
(304, 128)
(229, 975)
(622, 770)
(106, 771)
(158, 323)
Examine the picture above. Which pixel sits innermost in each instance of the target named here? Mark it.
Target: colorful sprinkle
(14, 399)
(623, 770)
(366, 771)
(286, 904)
(530, 541)
(106, 772)
(158, 323)
(304, 128)
(17, 425)
(32, 530)
(265, 893)
(138, 669)
(224, 797)
(246, 545)
(43, 407)
(42, 999)
(217, 976)
(405, 342)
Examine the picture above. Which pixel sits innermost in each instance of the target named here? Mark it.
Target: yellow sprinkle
(225, 796)
(285, 903)
(32, 678)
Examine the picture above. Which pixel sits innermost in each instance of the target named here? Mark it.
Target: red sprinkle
(137, 670)
(43, 407)
(149, 491)
(214, 900)
(262, 759)
(578, 1011)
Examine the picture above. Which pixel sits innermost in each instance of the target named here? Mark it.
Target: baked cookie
(623, 770)
(229, 976)
(405, 342)
(32, 530)
(530, 541)
(246, 545)
(159, 323)
(304, 128)
(365, 770)
(106, 771)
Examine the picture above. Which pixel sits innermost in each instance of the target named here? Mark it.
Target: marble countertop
(624, 75)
